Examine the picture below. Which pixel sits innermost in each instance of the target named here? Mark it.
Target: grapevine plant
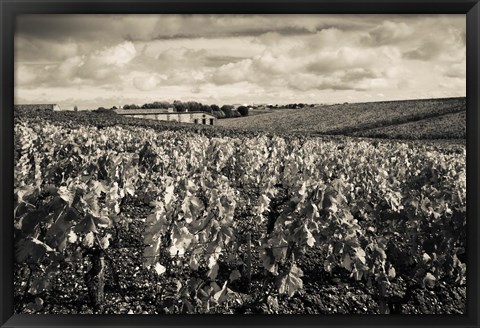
(346, 199)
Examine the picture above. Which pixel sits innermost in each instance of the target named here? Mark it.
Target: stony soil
(139, 290)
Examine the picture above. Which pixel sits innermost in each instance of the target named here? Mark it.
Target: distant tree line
(103, 110)
(226, 111)
(293, 106)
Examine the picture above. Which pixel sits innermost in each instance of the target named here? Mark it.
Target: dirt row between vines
(142, 292)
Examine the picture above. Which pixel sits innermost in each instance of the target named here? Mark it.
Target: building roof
(143, 111)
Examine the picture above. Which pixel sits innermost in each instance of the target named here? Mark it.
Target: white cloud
(275, 63)
(148, 82)
(389, 32)
(239, 58)
(233, 72)
(118, 55)
(24, 75)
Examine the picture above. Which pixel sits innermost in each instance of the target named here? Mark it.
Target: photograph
(262, 164)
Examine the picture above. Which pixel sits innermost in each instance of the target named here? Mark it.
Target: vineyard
(447, 126)
(406, 119)
(132, 219)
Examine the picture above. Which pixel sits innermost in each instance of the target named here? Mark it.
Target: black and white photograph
(240, 164)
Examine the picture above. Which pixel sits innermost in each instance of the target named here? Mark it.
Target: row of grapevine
(349, 200)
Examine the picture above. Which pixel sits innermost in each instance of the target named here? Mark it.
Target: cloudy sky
(106, 60)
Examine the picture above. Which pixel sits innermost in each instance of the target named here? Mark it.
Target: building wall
(191, 117)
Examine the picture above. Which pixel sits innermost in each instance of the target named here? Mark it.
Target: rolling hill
(442, 118)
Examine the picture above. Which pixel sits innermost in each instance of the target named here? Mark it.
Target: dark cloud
(345, 58)
(217, 61)
(322, 84)
(108, 28)
(32, 50)
(62, 27)
(457, 71)
(428, 50)
(360, 74)
(390, 32)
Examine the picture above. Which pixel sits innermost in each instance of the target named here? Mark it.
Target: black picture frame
(9, 9)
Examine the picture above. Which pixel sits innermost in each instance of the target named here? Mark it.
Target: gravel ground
(323, 293)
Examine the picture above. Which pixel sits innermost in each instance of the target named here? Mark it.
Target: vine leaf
(31, 250)
(86, 225)
(221, 295)
(213, 272)
(89, 240)
(35, 306)
(193, 263)
(347, 262)
(160, 269)
(234, 275)
(268, 260)
(289, 283)
(39, 285)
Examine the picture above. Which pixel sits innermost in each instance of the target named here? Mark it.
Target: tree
(206, 108)
(161, 104)
(243, 110)
(193, 106)
(132, 106)
(179, 106)
(227, 109)
(103, 110)
(75, 108)
(218, 114)
(235, 113)
(215, 107)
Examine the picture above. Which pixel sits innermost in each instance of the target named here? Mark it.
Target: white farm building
(161, 114)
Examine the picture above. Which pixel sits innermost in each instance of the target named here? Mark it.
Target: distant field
(448, 126)
(427, 117)
(255, 112)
